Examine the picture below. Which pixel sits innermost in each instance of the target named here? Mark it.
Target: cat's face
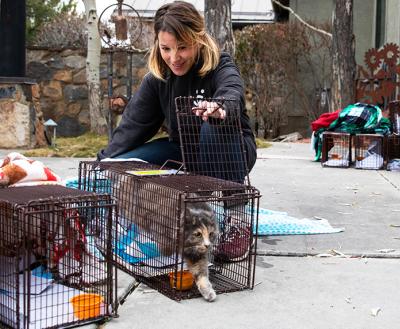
(201, 229)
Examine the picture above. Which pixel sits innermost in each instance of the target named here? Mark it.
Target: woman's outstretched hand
(206, 109)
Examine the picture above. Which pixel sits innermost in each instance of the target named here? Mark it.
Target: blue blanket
(280, 223)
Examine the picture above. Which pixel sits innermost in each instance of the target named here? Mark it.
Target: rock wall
(20, 115)
(61, 77)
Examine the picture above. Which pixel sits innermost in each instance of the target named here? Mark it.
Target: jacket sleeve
(227, 82)
(140, 121)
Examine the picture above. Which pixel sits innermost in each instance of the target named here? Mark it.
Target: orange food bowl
(86, 305)
(184, 280)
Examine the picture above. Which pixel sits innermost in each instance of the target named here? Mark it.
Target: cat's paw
(206, 289)
(211, 296)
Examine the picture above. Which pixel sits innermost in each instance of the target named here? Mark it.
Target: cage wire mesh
(393, 152)
(216, 147)
(55, 257)
(336, 149)
(394, 115)
(369, 151)
(152, 220)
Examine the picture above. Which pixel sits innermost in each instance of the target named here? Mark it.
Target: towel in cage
(44, 292)
(137, 248)
(372, 156)
(46, 297)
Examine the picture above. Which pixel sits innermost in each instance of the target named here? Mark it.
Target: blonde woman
(184, 61)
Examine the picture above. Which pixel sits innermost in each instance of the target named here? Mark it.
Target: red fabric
(324, 120)
(50, 175)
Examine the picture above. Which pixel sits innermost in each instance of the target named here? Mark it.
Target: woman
(184, 61)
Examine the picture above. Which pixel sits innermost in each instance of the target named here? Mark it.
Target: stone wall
(61, 77)
(20, 114)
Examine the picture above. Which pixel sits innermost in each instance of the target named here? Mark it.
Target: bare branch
(301, 20)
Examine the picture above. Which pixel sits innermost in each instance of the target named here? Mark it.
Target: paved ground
(295, 288)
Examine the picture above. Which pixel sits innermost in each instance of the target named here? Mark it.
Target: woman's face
(178, 56)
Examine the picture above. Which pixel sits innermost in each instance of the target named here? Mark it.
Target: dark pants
(218, 155)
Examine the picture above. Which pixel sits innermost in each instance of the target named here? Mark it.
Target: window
(380, 23)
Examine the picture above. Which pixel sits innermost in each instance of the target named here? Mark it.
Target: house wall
(393, 21)
(363, 19)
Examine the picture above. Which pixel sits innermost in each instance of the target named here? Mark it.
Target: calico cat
(200, 233)
(156, 212)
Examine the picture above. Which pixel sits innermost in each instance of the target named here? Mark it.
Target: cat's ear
(194, 220)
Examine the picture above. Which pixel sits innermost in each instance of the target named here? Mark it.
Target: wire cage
(336, 149)
(393, 152)
(55, 257)
(394, 114)
(216, 147)
(155, 210)
(369, 151)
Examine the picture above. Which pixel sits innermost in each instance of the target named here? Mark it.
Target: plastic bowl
(183, 280)
(86, 305)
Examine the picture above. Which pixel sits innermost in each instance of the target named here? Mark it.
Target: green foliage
(39, 12)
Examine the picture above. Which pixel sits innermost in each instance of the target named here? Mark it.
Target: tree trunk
(97, 121)
(343, 55)
(217, 14)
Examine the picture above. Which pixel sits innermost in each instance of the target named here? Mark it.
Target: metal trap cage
(216, 147)
(394, 115)
(369, 151)
(55, 257)
(336, 149)
(393, 152)
(153, 220)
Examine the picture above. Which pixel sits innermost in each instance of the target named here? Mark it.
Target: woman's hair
(183, 21)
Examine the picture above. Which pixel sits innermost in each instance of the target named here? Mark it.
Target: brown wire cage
(152, 205)
(55, 257)
(393, 152)
(394, 114)
(369, 151)
(336, 149)
(214, 147)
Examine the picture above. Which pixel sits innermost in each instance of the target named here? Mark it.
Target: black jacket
(154, 102)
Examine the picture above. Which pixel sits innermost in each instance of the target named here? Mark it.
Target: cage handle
(176, 162)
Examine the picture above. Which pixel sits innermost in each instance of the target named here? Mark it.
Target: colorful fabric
(358, 118)
(18, 170)
(324, 120)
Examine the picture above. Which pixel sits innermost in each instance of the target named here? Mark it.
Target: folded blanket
(18, 170)
(280, 223)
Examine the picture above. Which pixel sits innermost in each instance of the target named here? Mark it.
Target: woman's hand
(206, 109)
